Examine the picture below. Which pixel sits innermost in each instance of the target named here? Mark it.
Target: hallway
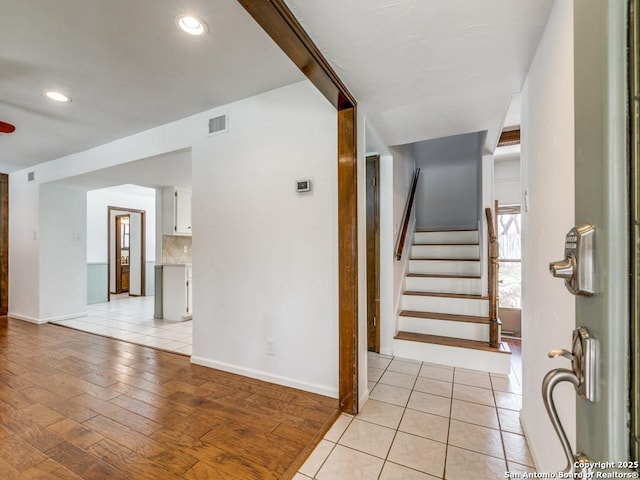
(425, 421)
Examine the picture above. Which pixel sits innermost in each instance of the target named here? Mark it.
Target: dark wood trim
(373, 252)
(281, 25)
(4, 244)
(348, 260)
(118, 264)
(406, 216)
(509, 137)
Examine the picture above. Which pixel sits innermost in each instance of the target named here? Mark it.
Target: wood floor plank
(49, 470)
(76, 433)
(19, 454)
(78, 406)
(83, 464)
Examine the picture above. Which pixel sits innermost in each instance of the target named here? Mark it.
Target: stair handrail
(492, 277)
(406, 216)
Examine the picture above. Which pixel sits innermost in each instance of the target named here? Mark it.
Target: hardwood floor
(79, 406)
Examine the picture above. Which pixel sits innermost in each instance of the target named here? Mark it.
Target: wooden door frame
(373, 251)
(282, 26)
(143, 244)
(118, 239)
(4, 244)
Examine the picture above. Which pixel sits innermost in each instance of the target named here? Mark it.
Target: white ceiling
(170, 169)
(423, 69)
(126, 66)
(420, 69)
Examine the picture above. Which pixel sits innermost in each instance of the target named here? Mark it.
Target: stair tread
(468, 244)
(447, 295)
(446, 259)
(452, 342)
(438, 275)
(445, 316)
(447, 230)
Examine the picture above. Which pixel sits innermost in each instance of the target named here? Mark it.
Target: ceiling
(126, 66)
(169, 169)
(423, 69)
(420, 69)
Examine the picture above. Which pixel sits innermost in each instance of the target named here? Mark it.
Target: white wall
(63, 266)
(135, 197)
(507, 180)
(265, 258)
(24, 241)
(404, 165)
(548, 176)
(448, 189)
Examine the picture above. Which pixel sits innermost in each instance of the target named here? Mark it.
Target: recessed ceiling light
(57, 96)
(191, 24)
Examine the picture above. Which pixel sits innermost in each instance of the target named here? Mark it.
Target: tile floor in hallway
(425, 421)
(131, 319)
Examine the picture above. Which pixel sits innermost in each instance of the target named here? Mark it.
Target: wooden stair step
(445, 316)
(427, 230)
(435, 275)
(447, 295)
(446, 259)
(446, 244)
(452, 342)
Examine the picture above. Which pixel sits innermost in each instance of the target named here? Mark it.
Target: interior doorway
(373, 253)
(126, 251)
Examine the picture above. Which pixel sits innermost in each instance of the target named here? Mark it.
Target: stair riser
(469, 286)
(446, 237)
(446, 328)
(445, 251)
(456, 306)
(444, 267)
(453, 356)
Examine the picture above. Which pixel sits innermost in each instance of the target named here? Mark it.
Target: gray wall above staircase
(448, 193)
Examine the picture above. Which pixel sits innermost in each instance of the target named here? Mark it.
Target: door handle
(561, 353)
(551, 380)
(581, 376)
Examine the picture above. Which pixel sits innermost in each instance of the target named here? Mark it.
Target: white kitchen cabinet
(177, 283)
(176, 211)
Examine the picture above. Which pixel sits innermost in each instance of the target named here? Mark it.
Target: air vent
(218, 124)
(31, 176)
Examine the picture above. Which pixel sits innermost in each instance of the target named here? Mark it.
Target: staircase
(444, 317)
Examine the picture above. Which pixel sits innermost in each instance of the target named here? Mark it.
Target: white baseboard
(41, 321)
(267, 377)
(363, 399)
(26, 318)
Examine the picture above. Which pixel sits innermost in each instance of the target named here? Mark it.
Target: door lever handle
(561, 352)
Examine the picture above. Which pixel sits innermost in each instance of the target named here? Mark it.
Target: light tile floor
(425, 421)
(131, 319)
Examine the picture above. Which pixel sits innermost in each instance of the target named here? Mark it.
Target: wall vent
(218, 125)
(31, 176)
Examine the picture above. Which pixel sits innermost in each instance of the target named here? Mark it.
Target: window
(510, 259)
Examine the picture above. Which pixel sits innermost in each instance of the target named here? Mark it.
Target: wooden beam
(281, 25)
(285, 30)
(509, 137)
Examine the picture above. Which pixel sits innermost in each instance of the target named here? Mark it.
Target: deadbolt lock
(577, 267)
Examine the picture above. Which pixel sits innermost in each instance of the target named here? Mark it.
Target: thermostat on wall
(303, 185)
